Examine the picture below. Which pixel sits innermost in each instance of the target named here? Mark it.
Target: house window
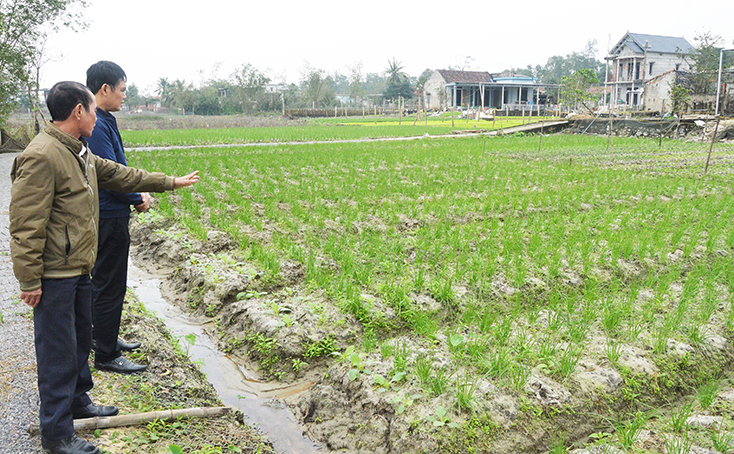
(677, 66)
(650, 70)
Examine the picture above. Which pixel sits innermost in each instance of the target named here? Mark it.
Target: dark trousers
(109, 284)
(62, 324)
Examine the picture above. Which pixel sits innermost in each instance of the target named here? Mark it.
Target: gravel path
(18, 387)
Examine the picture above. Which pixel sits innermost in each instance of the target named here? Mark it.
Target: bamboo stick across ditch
(142, 418)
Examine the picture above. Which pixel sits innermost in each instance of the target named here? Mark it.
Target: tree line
(249, 90)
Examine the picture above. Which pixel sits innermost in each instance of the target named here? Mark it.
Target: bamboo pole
(540, 139)
(142, 418)
(711, 148)
(400, 110)
(611, 130)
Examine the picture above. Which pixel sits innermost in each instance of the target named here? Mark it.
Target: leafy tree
(356, 83)
(422, 79)
(24, 24)
(557, 66)
(248, 85)
(704, 61)
(421, 83)
(398, 83)
(313, 85)
(182, 96)
(205, 101)
(679, 96)
(575, 88)
(374, 85)
(134, 100)
(164, 90)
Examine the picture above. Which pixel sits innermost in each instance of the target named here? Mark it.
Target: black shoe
(121, 344)
(121, 365)
(69, 445)
(127, 346)
(92, 411)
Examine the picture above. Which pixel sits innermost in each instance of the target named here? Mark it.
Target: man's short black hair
(104, 72)
(65, 96)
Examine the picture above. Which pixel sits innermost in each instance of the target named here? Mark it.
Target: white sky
(195, 40)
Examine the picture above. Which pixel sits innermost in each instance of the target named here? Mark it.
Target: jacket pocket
(67, 247)
(57, 248)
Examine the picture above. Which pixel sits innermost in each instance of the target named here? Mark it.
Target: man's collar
(67, 140)
(103, 113)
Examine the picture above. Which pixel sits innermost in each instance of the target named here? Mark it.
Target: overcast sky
(197, 40)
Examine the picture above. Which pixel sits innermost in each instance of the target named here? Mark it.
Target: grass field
(530, 254)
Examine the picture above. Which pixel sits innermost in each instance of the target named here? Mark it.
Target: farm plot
(468, 293)
(313, 130)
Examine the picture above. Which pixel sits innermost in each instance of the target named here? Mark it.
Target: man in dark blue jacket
(108, 82)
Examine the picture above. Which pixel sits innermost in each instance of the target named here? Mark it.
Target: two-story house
(638, 58)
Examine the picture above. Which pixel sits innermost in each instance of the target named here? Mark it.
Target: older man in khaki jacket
(54, 211)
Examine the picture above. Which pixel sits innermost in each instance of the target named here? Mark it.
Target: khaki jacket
(54, 207)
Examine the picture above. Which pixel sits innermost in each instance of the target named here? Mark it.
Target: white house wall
(435, 92)
(657, 93)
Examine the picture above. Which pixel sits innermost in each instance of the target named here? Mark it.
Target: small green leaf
(380, 380)
(175, 449)
(355, 359)
(353, 374)
(440, 411)
(397, 377)
(190, 338)
(456, 340)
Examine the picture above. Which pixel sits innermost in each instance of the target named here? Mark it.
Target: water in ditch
(234, 384)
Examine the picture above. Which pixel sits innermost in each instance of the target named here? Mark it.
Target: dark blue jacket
(107, 143)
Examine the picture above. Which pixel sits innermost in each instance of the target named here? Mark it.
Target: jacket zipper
(91, 193)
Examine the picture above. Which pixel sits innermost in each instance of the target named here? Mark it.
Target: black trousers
(62, 325)
(109, 284)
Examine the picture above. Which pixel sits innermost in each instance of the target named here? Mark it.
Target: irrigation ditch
(231, 379)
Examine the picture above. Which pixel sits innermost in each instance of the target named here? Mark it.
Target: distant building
(275, 88)
(447, 89)
(638, 59)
